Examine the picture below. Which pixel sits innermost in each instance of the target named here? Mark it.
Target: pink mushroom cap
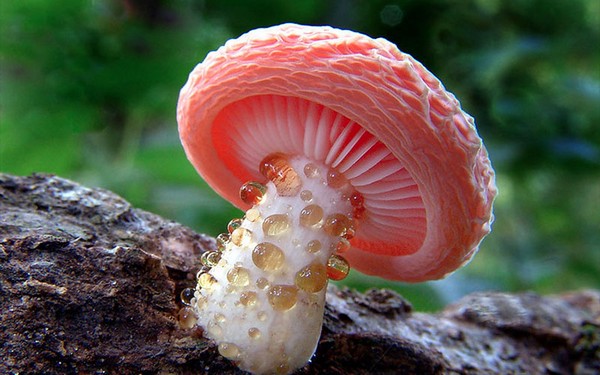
(428, 195)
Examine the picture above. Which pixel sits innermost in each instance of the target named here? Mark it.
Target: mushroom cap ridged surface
(425, 176)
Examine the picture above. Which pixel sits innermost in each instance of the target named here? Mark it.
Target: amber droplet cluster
(268, 256)
(293, 250)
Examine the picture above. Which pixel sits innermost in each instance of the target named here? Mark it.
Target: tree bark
(90, 284)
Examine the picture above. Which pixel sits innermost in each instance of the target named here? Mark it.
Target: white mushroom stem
(262, 303)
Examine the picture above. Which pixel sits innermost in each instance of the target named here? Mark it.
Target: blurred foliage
(88, 91)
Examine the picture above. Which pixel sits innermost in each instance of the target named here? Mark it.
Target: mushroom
(344, 152)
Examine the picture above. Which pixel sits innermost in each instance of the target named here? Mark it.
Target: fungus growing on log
(345, 153)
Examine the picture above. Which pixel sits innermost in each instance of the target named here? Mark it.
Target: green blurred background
(88, 91)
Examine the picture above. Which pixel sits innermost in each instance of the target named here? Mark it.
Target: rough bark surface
(89, 284)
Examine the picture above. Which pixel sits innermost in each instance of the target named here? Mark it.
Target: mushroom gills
(249, 129)
(261, 297)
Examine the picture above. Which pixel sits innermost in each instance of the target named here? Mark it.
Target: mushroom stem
(262, 300)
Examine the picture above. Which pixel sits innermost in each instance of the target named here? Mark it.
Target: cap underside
(247, 130)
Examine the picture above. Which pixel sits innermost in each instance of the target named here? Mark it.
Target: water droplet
(262, 283)
(312, 278)
(186, 317)
(311, 170)
(350, 233)
(254, 333)
(222, 241)
(356, 199)
(248, 298)
(336, 224)
(252, 193)
(214, 328)
(238, 276)
(234, 224)
(186, 296)
(336, 179)
(282, 297)
(340, 246)
(276, 168)
(210, 258)
(337, 267)
(306, 195)
(252, 215)
(311, 215)
(202, 269)
(262, 316)
(276, 224)
(229, 350)
(358, 212)
(219, 318)
(241, 236)
(268, 257)
(201, 302)
(206, 280)
(313, 246)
